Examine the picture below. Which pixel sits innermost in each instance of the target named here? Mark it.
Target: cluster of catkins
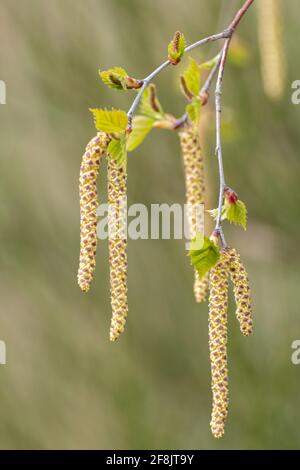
(215, 284)
(117, 179)
(213, 266)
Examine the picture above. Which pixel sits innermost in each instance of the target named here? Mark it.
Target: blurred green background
(65, 386)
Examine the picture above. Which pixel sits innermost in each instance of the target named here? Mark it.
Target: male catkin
(117, 189)
(218, 303)
(201, 287)
(89, 170)
(242, 292)
(270, 30)
(195, 191)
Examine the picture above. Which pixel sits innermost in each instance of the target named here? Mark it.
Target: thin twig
(215, 37)
(207, 84)
(220, 66)
(218, 98)
(146, 81)
(226, 34)
(218, 95)
(238, 17)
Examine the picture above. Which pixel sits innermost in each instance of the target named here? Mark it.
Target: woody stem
(218, 100)
(226, 34)
(146, 81)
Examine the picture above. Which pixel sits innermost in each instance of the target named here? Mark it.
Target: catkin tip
(201, 288)
(114, 334)
(84, 287)
(112, 337)
(217, 431)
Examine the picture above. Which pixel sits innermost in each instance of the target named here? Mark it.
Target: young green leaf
(176, 48)
(237, 214)
(150, 105)
(194, 109)
(141, 126)
(192, 77)
(114, 78)
(204, 258)
(110, 121)
(117, 150)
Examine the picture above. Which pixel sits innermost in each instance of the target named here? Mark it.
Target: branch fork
(219, 67)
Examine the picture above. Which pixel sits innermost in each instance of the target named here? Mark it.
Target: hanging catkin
(117, 189)
(242, 292)
(271, 40)
(218, 303)
(201, 287)
(195, 190)
(89, 169)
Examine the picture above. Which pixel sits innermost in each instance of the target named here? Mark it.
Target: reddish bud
(154, 103)
(230, 195)
(185, 90)
(133, 83)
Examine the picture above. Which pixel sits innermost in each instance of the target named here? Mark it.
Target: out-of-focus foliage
(65, 385)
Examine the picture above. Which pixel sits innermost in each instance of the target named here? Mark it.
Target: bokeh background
(65, 386)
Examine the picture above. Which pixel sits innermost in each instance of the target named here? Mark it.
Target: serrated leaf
(237, 214)
(176, 48)
(110, 121)
(141, 126)
(206, 257)
(117, 150)
(192, 77)
(114, 78)
(234, 213)
(150, 105)
(194, 110)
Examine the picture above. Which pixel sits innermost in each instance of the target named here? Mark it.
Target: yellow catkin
(89, 170)
(218, 304)
(201, 287)
(242, 292)
(117, 189)
(271, 44)
(195, 191)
